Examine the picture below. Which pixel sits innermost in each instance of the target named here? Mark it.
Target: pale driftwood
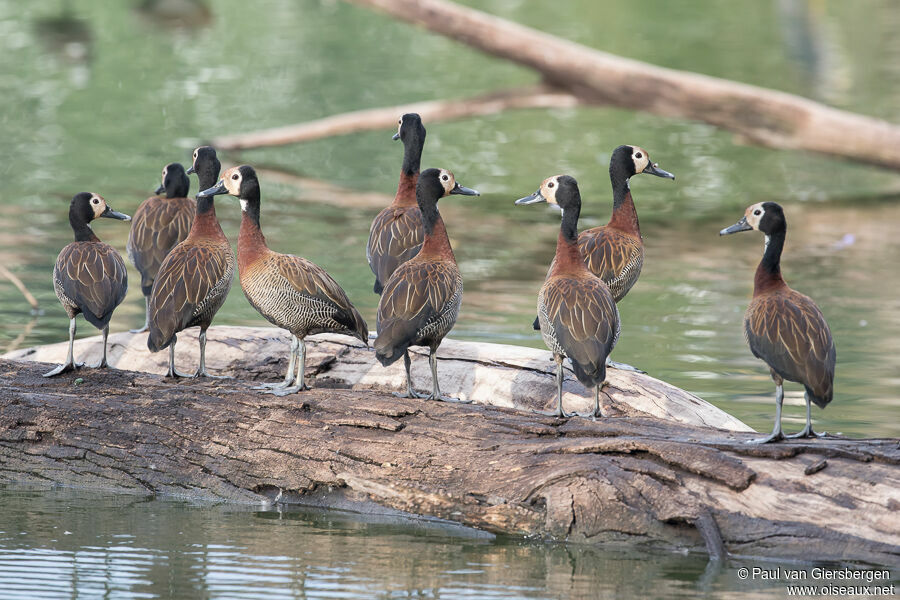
(20, 286)
(620, 480)
(575, 74)
(386, 118)
(766, 117)
(495, 374)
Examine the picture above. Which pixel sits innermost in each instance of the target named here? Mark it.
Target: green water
(67, 544)
(102, 97)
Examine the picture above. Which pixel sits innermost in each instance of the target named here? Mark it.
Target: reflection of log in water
(195, 550)
(624, 479)
(576, 73)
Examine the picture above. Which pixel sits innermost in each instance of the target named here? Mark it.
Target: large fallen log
(497, 374)
(620, 480)
(576, 74)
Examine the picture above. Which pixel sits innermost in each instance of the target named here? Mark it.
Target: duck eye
(757, 212)
(95, 201)
(444, 177)
(638, 155)
(550, 185)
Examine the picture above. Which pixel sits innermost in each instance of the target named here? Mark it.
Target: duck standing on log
(195, 277)
(577, 312)
(421, 300)
(160, 223)
(290, 292)
(89, 276)
(397, 232)
(784, 328)
(615, 252)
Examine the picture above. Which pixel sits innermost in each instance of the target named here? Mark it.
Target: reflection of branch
(26, 331)
(386, 118)
(762, 116)
(18, 283)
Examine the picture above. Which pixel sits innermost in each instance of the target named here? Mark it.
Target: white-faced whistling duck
(194, 279)
(289, 291)
(785, 328)
(421, 300)
(577, 313)
(397, 233)
(89, 276)
(615, 252)
(159, 224)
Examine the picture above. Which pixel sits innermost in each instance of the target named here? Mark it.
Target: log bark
(574, 73)
(620, 480)
(497, 374)
(617, 481)
(376, 119)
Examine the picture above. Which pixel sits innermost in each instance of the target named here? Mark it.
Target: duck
(195, 277)
(289, 291)
(160, 222)
(615, 252)
(421, 300)
(577, 312)
(784, 328)
(89, 276)
(397, 233)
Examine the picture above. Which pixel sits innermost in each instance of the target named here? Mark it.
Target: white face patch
(447, 181)
(400, 126)
(548, 189)
(98, 205)
(640, 158)
(754, 215)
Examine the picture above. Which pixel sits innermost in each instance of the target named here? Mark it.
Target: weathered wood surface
(574, 73)
(621, 480)
(498, 374)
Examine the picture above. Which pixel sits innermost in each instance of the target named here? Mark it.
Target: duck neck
(251, 242)
(206, 208)
(83, 231)
(624, 215)
(568, 257)
(406, 189)
(768, 273)
(437, 243)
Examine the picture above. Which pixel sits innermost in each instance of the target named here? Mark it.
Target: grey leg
(201, 370)
(70, 364)
(289, 376)
(146, 325)
(102, 364)
(410, 392)
(298, 386)
(436, 393)
(807, 431)
(559, 412)
(173, 372)
(776, 431)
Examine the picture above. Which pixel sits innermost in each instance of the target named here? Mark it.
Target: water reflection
(63, 544)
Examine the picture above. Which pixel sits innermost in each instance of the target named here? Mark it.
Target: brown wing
(158, 225)
(583, 320)
(312, 281)
(191, 285)
(91, 277)
(789, 333)
(395, 237)
(419, 294)
(612, 256)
